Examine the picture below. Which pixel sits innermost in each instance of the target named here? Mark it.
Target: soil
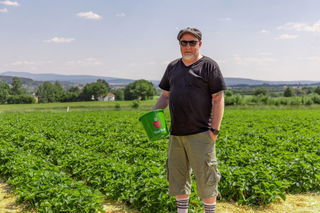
(301, 203)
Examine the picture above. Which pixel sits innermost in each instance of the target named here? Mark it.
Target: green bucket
(154, 124)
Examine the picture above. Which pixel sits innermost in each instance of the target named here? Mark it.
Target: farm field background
(70, 161)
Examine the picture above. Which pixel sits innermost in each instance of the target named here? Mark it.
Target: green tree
(48, 92)
(21, 99)
(119, 93)
(17, 86)
(288, 92)
(140, 89)
(4, 92)
(93, 91)
(228, 93)
(260, 91)
(74, 89)
(72, 95)
(308, 90)
(104, 82)
(317, 90)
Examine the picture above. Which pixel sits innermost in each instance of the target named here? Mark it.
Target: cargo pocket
(212, 173)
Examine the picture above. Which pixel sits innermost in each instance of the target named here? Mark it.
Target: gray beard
(188, 57)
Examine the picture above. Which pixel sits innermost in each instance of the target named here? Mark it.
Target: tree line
(49, 92)
(263, 96)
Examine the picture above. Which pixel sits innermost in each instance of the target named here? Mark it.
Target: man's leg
(209, 204)
(178, 172)
(182, 203)
(203, 160)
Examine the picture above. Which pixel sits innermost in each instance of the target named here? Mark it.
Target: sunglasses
(191, 43)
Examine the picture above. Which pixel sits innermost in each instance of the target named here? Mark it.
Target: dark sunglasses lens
(192, 43)
(185, 43)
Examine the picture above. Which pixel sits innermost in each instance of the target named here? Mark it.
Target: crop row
(65, 162)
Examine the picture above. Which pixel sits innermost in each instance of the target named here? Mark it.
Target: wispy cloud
(250, 60)
(121, 14)
(18, 63)
(264, 31)
(265, 53)
(27, 63)
(59, 40)
(89, 15)
(225, 19)
(286, 37)
(10, 3)
(86, 61)
(3, 10)
(300, 26)
(312, 58)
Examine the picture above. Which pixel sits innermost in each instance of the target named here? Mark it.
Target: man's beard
(188, 56)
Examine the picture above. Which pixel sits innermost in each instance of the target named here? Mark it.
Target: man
(193, 87)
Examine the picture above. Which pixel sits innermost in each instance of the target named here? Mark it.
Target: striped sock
(209, 207)
(183, 205)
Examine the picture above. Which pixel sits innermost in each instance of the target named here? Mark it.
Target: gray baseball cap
(193, 31)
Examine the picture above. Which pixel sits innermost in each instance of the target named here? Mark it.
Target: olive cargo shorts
(195, 152)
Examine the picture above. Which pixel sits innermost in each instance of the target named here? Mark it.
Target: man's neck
(189, 62)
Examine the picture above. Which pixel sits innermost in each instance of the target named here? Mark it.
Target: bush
(21, 99)
(295, 101)
(135, 104)
(308, 102)
(288, 92)
(260, 99)
(233, 100)
(117, 106)
(316, 99)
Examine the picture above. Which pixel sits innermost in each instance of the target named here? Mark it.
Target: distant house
(109, 97)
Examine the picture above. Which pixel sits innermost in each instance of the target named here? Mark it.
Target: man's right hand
(163, 100)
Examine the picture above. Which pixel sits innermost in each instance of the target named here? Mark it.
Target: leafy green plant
(65, 162)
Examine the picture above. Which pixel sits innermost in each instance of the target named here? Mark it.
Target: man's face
(190, 47)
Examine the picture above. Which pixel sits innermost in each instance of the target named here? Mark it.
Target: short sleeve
(216, 80)
(164, 83)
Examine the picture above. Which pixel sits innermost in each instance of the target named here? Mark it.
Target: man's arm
(163, 101)
(217, 111)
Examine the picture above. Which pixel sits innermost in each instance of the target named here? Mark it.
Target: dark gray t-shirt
(190, 89)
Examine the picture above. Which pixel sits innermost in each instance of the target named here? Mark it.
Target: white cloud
(151, 63)
(265, 53)
(121, 14)
(86, 61)
(250, 60)
(26, 62)
(225, 19)
(3, 10)
(300, 26)
(89, 15)
(166, 62)
(10, 3)
(313, 58)
(264, 31)
(60, 40)
(19, 63)
(287, 36)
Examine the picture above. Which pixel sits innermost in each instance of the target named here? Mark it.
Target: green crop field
(70, 161)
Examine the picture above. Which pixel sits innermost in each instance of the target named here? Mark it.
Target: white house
(109, 97)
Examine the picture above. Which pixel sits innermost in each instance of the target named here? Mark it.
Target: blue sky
(136, 39)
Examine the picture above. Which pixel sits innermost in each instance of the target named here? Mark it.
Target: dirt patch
(302, 203)
(115, 207)
(8, 200)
